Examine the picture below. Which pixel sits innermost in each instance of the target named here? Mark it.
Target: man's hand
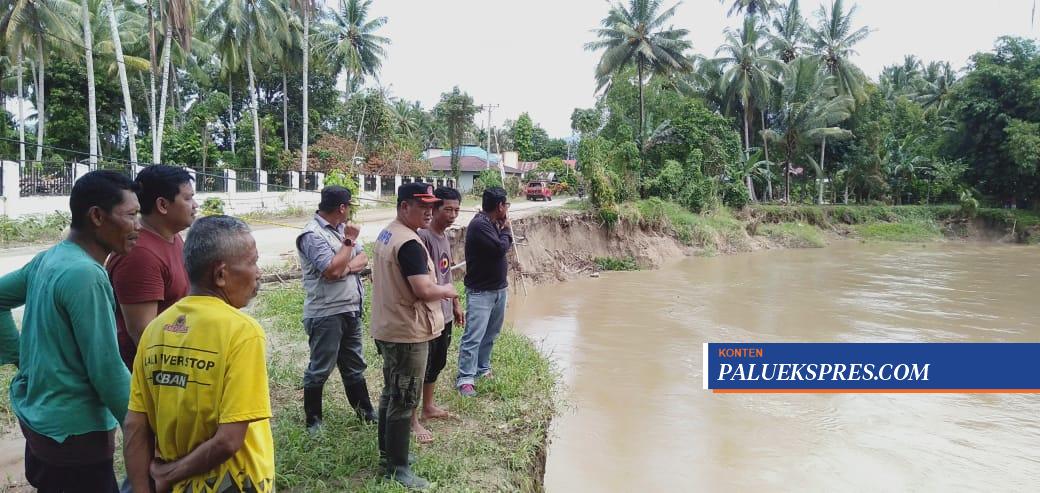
(505, 224)
(460, 318)
(351, 231)
(160, 472)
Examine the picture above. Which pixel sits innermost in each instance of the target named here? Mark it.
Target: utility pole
(487, 162)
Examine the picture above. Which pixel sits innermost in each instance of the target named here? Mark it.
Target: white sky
(528, 55)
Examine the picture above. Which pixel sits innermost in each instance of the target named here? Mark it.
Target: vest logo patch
(384, 237)
(179, 326)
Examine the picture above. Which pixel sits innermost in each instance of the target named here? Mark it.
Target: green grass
(794, 235)
(616, 263)
(494, 445)
(912, 231)
(715, 231)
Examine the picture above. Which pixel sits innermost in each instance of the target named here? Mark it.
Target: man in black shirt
(488, 239)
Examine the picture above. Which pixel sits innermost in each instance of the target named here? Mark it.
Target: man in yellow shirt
(200, 410)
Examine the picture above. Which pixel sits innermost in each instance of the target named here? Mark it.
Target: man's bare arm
(213, 452)
(427, 290)
(138, 450)
(137, 316)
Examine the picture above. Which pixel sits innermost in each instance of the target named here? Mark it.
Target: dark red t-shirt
(152, 271)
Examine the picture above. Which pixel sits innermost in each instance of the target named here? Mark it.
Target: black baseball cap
(423, 192)
(334, 196)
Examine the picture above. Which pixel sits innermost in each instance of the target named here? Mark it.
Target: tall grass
(495, 444)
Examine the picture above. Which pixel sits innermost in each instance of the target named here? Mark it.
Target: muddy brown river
(636, 418)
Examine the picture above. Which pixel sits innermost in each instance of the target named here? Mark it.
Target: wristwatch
(348, 242)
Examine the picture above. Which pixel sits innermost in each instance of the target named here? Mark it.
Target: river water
(636, 418)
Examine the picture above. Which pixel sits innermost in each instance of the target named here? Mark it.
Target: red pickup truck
(538, 190)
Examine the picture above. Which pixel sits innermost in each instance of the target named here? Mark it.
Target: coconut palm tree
(747, 76)
(35, 25)
(934, 88)
(88, 48)
(306, 9)
(286, 52)
(636, 35)
(833, 40)
(760, 8)
(178, 19)
(249, 24)
(117, 49)
(788, 36)
(350, 44)
(810, 107)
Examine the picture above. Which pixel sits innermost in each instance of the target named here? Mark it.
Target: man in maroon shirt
(152, 277)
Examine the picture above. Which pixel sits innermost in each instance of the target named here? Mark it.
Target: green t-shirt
(70, 378)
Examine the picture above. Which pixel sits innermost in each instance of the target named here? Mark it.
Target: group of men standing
(126, 324)
(414, 307)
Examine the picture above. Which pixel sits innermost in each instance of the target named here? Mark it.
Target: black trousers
(80, 464)
(438, 357)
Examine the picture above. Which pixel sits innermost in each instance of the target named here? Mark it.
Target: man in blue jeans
(488, 239)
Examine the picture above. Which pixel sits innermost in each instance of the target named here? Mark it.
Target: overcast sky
(527, 55)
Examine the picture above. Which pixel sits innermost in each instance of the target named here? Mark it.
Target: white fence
(27, 191)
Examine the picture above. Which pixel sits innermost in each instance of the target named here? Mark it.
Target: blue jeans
(485, 313)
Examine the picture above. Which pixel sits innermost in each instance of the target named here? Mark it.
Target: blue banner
(872, 367)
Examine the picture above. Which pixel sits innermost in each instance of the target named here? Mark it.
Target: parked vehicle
(538, 190)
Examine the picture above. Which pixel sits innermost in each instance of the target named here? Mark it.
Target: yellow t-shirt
(201, 363)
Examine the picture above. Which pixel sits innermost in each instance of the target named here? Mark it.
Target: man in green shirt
(71, 388)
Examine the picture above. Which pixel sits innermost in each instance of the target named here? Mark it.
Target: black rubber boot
(357, 396)
(312, 408)
(384, 401)
(398, 439)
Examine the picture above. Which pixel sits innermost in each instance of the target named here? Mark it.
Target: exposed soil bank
(559, 245)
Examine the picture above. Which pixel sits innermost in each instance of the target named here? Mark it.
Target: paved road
(276, 242)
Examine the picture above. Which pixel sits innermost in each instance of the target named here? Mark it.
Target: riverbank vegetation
(496, 442)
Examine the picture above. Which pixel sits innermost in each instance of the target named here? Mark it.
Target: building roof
(466, 164)
(526, 166)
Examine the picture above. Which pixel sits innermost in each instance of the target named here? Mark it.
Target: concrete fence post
(191, 173)
(262, 178)
(79, 170)
(12, 187)
(231, 185)
(319, 181)
(397, 183)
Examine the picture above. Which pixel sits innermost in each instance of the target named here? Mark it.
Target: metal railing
(278, 181)
(309, 181)
(41, 178)
(247, 180)
(210, 180)
(387, 187)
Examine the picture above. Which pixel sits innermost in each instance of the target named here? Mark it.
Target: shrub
(212, 206)
(616, 263)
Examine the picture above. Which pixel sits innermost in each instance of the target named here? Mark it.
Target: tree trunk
(747, 152)
(41, 111)
(152, 71)
(819, 189)
(231, 115)
(21, 111)
(131, 124)
(178, 118)
(88, 48)
(253, 104)
(285, 113)
(769, 172)
(642, 109)
(165, 70)
(306, 87)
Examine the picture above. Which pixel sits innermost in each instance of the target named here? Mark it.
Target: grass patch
(912, 231)
(495, 445)
(577, 205)
(715, 231)
(794, 235)
(616, 263)
(33, 229)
